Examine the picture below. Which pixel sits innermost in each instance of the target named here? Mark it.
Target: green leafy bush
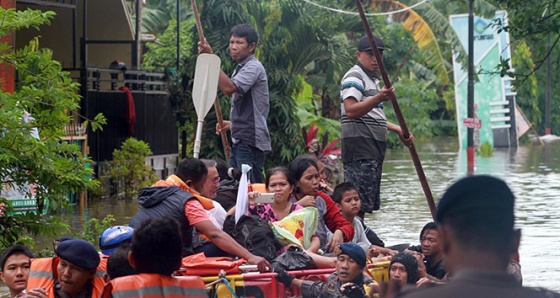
(128, 167)
(93, 229)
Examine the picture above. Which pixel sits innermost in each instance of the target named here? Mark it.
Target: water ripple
(533, 173)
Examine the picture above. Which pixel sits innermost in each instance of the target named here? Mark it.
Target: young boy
(346, 196)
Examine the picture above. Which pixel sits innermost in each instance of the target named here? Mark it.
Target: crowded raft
(214, 229)
(307, 242)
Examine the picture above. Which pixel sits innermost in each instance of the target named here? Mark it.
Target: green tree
(156, 14)
(31, 152)
(534, 25)
(93, 228)
(527, 93)
(162, 56)
(128, 167)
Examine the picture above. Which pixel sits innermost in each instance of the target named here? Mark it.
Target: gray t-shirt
(360, 237)
(250, 105)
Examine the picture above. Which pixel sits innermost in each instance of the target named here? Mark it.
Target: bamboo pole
(398, 113)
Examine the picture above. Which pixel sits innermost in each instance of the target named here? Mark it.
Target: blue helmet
(114, 237)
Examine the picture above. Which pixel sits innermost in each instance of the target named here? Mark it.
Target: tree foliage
(32, 121)
(156, 14)
(538, 27)
(128, 169)
(306, 47)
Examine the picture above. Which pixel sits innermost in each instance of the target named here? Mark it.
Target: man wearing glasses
(217, 215)
(179, 196)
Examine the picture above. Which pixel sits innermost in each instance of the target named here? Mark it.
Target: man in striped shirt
(364, 125)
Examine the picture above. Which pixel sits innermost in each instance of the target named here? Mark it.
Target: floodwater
(533, 172)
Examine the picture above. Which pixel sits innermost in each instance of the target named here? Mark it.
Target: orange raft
(255, 284)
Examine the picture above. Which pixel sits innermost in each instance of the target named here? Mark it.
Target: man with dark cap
(347, 281)
(404, 269)
(476, 224)
(71, 273)
(364, 125)
(76, 269)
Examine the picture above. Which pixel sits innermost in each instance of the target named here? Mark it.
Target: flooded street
(532, 171)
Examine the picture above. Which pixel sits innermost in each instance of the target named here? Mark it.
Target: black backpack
(253, 233)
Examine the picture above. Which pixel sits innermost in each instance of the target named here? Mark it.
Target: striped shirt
(366, 136)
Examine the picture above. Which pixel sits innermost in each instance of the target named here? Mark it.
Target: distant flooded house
(98, 42)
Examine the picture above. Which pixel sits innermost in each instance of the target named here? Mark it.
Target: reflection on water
(533, 172)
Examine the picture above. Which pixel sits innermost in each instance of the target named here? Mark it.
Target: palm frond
(421, 32)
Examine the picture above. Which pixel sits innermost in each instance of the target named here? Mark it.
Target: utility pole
(470, 93)
(547, 129)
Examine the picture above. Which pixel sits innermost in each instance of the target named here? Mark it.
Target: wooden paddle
(204, 91)
(398, 113)
(223, 133)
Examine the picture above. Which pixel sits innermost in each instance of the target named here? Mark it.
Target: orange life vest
(173, 180)
(154, 285)
(260, 187)
(43, 274)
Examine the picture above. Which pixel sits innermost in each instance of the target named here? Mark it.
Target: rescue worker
(156, 254)
(118, 264)
(179, 197)
(71, 273)
(114, 237)
(347, 281)
(477, 228)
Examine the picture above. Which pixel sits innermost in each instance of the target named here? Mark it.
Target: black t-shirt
(437, 270)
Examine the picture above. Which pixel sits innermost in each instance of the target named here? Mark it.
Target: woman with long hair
(305, 171)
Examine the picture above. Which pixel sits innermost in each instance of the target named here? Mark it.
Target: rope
(367, 14)
(228, 285)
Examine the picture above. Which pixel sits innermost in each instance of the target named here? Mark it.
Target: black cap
(354, 251)
(474, 194)
(365, 45)
(79, 252)
(409, 262)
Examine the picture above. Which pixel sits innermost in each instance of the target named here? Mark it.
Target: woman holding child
(304, 170)
(279, 182)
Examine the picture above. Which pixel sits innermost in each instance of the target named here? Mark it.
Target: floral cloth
(297, 228)
(266, 212)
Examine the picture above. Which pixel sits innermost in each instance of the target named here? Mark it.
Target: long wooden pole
(398, 113)
(216, 101)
